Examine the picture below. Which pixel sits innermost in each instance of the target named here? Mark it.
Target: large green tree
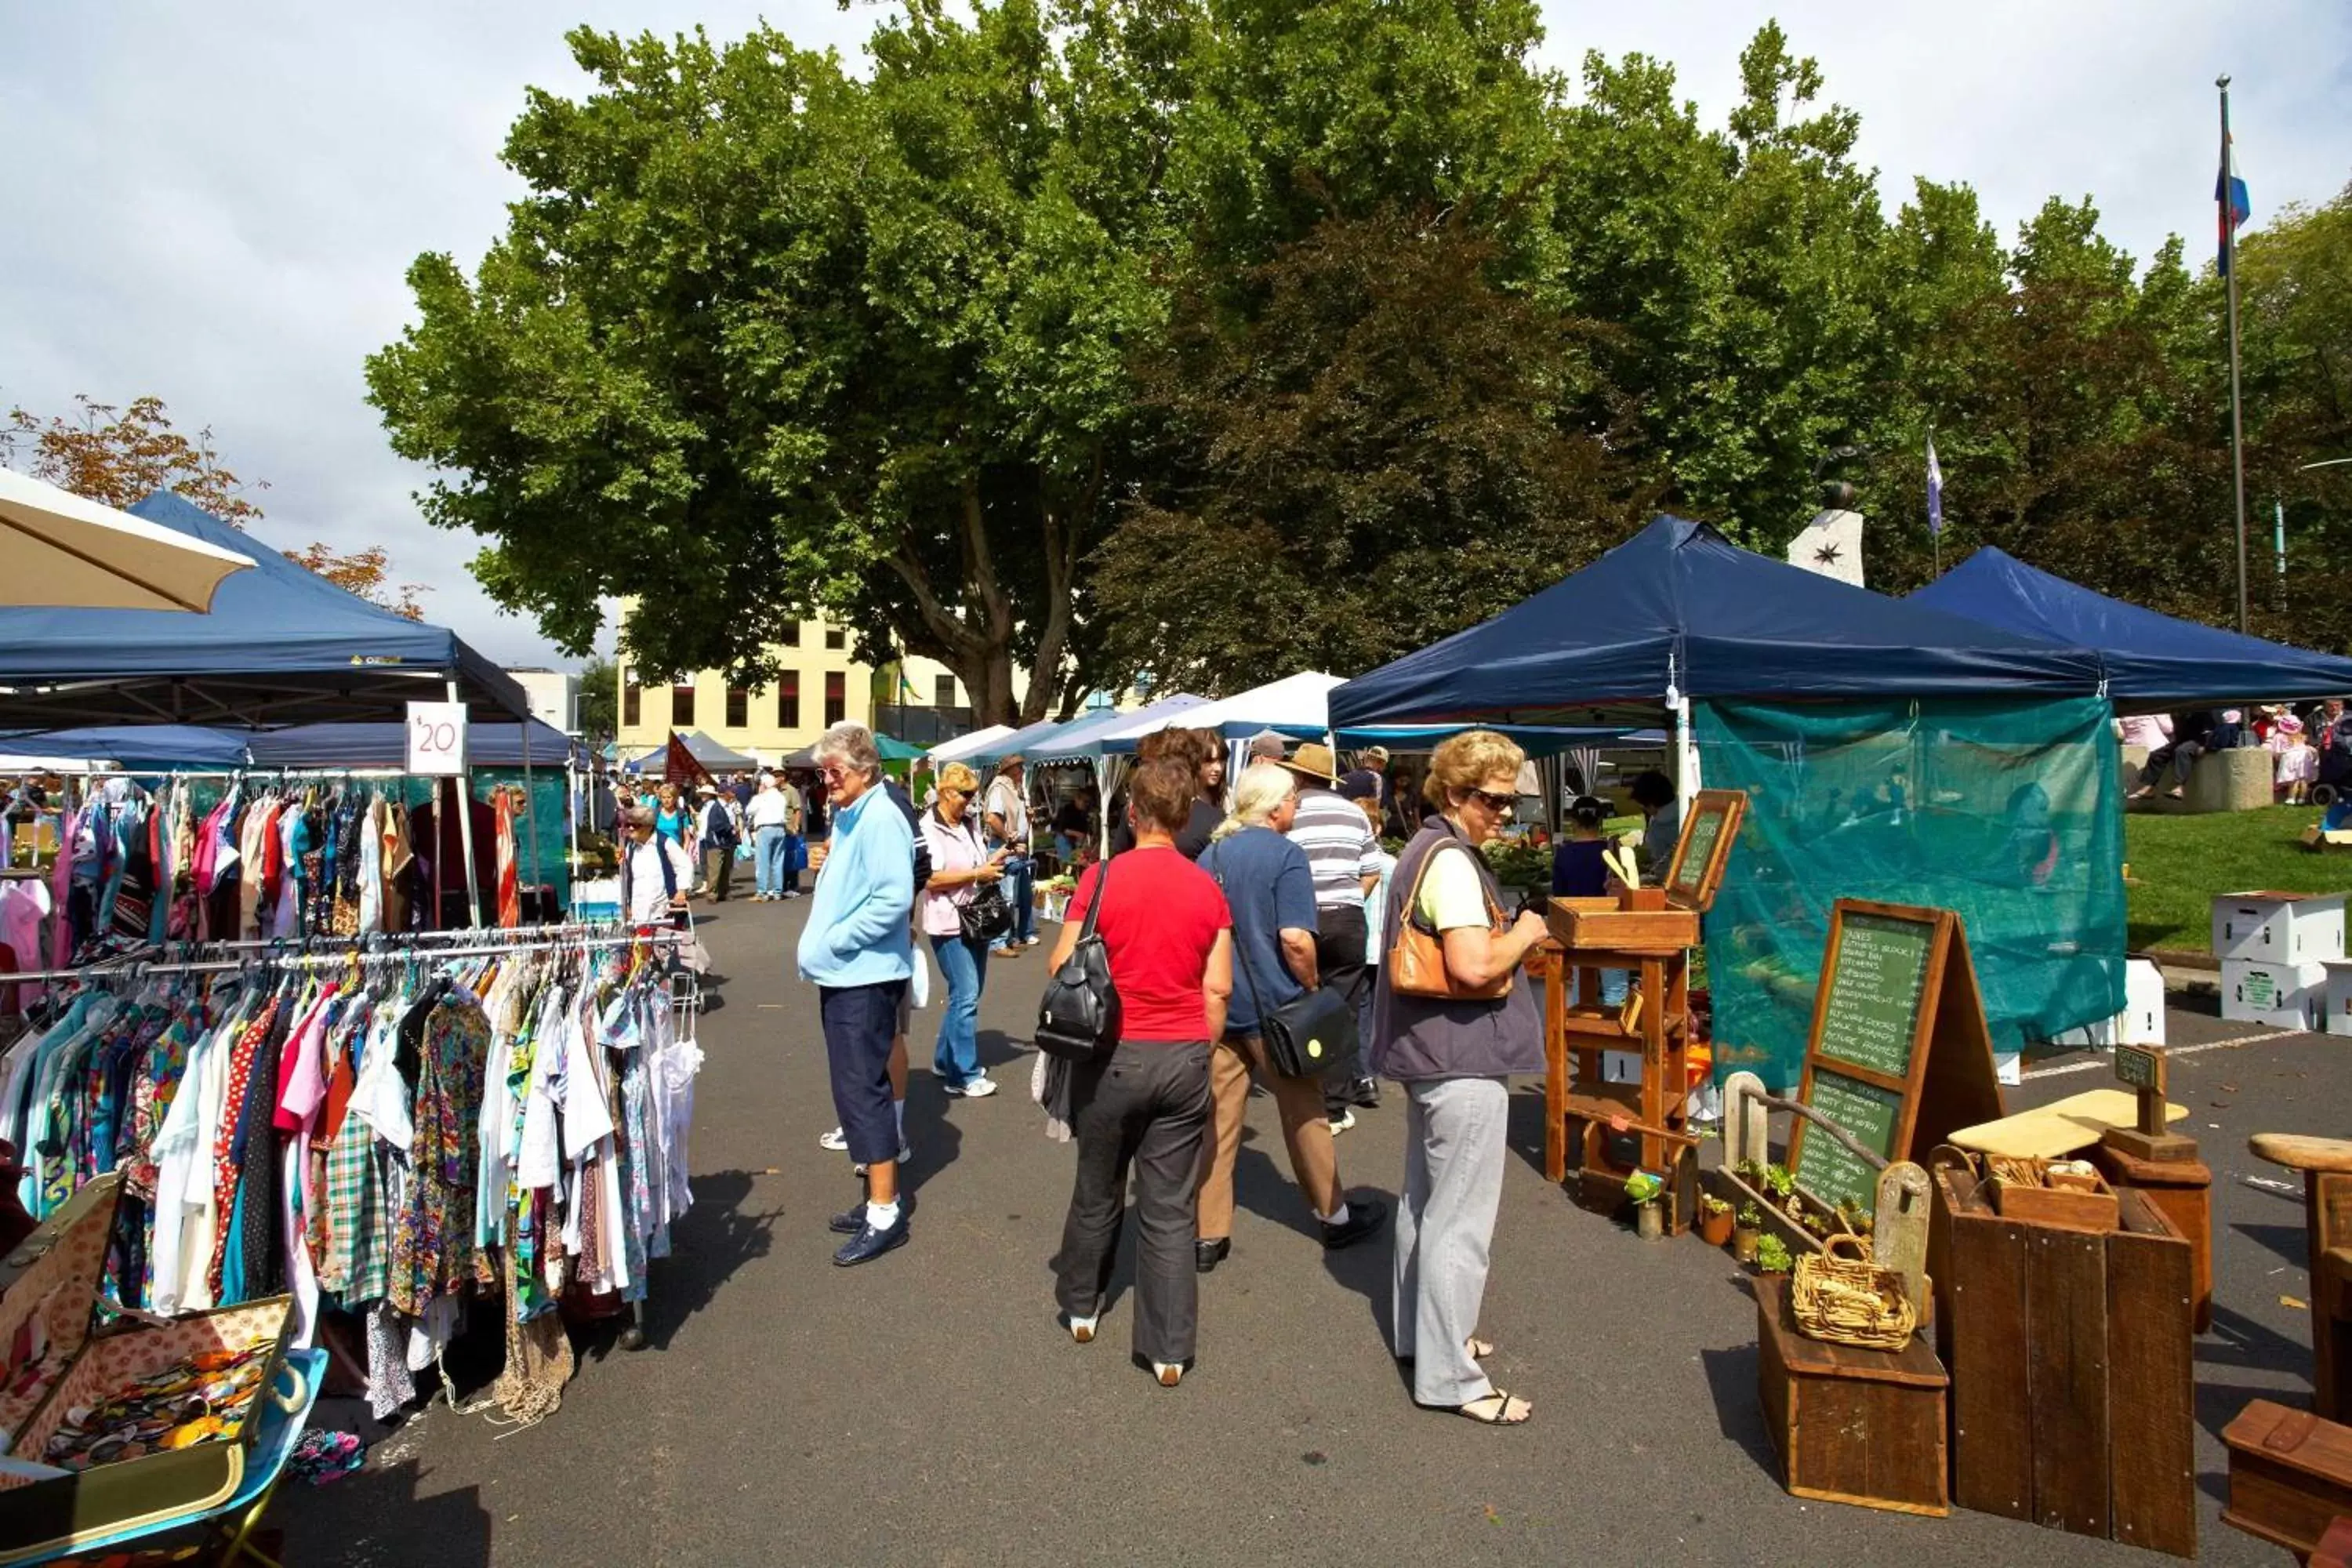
(1385, 447)
(763, 340)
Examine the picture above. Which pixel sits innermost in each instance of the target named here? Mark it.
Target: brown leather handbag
(1416, 958)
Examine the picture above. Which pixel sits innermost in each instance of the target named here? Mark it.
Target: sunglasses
(1492, 800)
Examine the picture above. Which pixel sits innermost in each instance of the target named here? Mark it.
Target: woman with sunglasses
(961, 865)
(1453, 1055)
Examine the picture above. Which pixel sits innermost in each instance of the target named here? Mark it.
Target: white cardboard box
(2283, 995)
(2279, 928)
(2141, 1022)
(2335, 1015)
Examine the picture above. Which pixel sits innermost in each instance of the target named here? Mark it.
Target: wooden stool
(2327, 1167)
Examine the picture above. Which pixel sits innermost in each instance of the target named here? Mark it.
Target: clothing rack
(136, 968)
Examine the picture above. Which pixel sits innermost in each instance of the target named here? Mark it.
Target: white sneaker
(906, 1153)
(836, 1141)
(1342, 1122)
(978, 1088)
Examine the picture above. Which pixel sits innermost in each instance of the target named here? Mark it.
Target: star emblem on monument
(1827, 555)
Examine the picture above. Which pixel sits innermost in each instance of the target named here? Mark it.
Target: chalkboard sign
(2140, 1068)
(1899, 1057)
(1876, 980)
(1706, 845)
(1829, 1170)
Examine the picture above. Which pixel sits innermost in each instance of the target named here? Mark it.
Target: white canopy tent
(1294, 702)
(60, 550)
(963, 746)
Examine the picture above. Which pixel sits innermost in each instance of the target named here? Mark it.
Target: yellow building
(919, 700)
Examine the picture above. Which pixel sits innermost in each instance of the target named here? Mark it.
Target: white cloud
(216, 204)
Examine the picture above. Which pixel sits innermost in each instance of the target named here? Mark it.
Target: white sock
(1337, 1215)
(882, 1216)
(898, 1110)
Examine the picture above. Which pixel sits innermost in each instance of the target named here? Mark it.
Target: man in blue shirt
(857, 948)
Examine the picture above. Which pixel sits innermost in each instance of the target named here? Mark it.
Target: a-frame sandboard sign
(1899, 1056)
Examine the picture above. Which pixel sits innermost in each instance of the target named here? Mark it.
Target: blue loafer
(848, 1224)
(869, 1243)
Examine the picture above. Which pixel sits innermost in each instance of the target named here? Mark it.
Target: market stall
(1872, 735)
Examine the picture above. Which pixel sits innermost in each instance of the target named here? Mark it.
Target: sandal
(1504, 1403)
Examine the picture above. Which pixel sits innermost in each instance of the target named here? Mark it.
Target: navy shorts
(859, 1021)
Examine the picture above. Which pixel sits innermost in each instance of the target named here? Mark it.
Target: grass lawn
(2179, 863)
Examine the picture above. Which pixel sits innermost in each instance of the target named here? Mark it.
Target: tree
(119, 455)
(599, 700)
(1389, 448)
(365, 572)
(763, 341)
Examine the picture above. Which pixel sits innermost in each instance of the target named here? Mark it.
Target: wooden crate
(2067, 1207)
(1578, 924)
(2070, 1360)
(1851, 1425)
(2290, 1475)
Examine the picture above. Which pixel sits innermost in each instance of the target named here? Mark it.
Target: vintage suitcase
(56, 1273)
(2071, 1358)
(2290, 1475)
(1851, 1425)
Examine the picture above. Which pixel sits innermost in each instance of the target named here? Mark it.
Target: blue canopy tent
(1678, 610)
(138, 747)
(386, 746)
(282, 646)
(2151, 660)
(1018, 743)
(1090, 737)
(710, 753)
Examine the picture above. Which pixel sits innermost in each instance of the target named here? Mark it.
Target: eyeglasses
(1492, 800)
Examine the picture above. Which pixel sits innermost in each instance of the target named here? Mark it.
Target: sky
(216, 204)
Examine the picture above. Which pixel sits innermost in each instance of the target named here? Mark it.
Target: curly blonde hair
(958, 776)
(1466, 761)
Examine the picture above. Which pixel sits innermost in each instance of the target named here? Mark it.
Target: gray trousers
(1147, 1105)
(1454, 1142)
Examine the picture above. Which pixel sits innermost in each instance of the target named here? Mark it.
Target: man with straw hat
(1345, 859)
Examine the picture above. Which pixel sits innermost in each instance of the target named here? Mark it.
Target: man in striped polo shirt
(1345, 859)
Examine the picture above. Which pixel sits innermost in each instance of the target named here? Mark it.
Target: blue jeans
(768, 850)
(1020, 878)
(1614, 984)
(964, 965)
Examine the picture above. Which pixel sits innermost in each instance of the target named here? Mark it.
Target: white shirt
(769, 808)
(648, 900)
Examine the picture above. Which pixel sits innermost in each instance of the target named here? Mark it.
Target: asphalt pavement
(926, 1409)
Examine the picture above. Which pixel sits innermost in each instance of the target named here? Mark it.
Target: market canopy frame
(281, 647)
(2150, 660)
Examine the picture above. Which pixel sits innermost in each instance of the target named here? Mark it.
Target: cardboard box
(2283, 995)
(2279, 928)
(2141, 1022)
(2334, 1012)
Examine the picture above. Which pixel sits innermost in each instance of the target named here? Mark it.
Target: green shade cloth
(2008, 812)
(894, 750)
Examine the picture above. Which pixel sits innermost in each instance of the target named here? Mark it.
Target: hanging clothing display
(389, 1133)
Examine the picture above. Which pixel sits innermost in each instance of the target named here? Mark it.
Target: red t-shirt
(1159, 924)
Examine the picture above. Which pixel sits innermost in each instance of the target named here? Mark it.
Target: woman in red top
(1165, 929)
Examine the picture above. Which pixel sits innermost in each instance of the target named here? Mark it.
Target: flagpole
(2237, 421)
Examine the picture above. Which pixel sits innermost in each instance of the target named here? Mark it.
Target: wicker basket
(1850, 1301)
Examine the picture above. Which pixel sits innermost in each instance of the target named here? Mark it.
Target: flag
(1934, 493)
(2229, 198)
(680, 767)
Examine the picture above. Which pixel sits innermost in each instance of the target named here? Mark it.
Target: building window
(837, 698)
(792, 637)
(836, 638)
(738, 706)
(788, 699)
(943, 691)
(681, 704)
(631, 700)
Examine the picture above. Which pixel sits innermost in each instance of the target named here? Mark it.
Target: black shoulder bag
(1307, 1036)
(1077, 1018)
(985, 916)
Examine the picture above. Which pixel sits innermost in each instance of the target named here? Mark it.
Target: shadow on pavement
(377, 1517)
(936, 1141)
(1739, 1414)
(2289, 1243)
(715, 1238)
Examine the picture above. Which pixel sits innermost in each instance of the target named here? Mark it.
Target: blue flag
(1934, 493)
(2230, 199)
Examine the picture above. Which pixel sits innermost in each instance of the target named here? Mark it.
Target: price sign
(436, 739)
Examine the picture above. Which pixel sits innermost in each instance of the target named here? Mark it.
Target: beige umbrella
(60, 550)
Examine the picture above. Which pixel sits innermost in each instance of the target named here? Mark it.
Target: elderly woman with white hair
(1271, 893)
(857, 948)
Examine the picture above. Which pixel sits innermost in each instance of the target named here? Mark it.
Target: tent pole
(466, 829)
